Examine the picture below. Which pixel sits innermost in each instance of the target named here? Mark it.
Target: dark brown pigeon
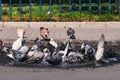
(71, 33)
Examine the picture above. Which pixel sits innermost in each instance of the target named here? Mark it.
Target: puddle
(4, 60)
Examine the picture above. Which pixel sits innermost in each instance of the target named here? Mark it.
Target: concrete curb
(62, 24)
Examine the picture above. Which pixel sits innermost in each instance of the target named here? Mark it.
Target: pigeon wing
(100, 49)
(101, 41)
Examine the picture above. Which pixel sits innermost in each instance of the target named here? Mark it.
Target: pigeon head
(21, 32)
(41, 28)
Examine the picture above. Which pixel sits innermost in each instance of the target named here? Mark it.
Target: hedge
(56, 1)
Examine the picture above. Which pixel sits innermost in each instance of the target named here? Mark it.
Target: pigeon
(100, 48)
(20, 32)
(71, 33)
(44, 32)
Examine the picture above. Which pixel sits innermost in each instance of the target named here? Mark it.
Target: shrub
(66, 15)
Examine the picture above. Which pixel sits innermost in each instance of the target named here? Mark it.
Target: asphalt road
(102, 73)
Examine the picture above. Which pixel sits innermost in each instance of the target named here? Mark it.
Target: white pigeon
(100, 48)
(52, 42)
(17, 44)
(64, 52)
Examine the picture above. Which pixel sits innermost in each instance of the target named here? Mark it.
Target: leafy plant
(55, 14)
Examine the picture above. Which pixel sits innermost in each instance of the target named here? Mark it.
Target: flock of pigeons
(52, 53)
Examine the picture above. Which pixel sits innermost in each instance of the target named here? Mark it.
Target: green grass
(55, 14)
